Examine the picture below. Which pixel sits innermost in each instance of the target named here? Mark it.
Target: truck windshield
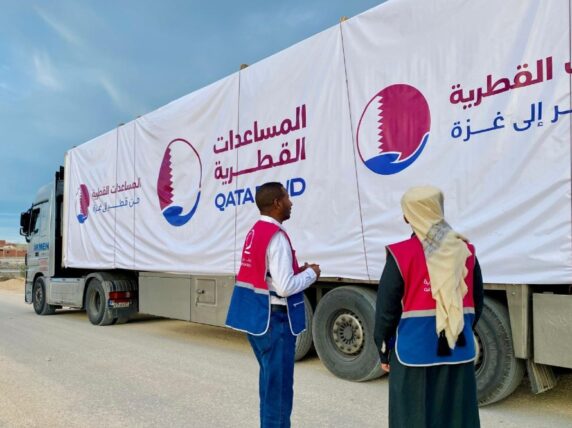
(34, 221)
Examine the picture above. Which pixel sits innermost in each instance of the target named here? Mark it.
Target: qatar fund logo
(248, 241)
(393, 129)
(179, 182)
(82, 203)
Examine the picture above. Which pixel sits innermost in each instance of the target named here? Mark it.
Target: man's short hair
(267, 193)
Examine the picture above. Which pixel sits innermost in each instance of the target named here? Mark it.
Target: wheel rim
(95, 302)
(38, 297)
(348, 333)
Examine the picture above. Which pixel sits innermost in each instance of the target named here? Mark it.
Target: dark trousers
(443, 396)
(274, 351)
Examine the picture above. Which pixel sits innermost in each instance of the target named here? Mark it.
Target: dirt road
(60, 371)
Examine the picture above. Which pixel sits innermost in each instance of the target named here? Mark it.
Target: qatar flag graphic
(82, 203)
(179, 182)
(393, 129)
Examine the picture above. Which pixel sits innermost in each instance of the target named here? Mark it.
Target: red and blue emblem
(179, 182)
(393, 129)
(82, 203)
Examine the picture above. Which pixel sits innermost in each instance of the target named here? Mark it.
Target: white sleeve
(284, 282)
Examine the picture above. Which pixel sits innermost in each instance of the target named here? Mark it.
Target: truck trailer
(471, 96)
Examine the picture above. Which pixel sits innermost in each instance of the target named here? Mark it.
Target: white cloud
(44, 71)
(122, 102)
(63, 31)
(111, 89)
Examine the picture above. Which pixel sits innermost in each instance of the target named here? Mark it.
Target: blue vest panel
(417, 342)
(296, 313)
(249, 311)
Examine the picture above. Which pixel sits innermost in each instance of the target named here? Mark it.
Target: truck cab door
(39, 245)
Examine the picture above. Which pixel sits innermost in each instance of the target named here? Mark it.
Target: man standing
(268, 302)
(429, 298)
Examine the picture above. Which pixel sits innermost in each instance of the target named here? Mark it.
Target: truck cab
(108, 297)
(37, 225)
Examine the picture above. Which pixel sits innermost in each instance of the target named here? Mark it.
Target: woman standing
(429, 298)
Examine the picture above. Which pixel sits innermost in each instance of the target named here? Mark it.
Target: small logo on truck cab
(82, 203)
(179, 182)
(393, 129)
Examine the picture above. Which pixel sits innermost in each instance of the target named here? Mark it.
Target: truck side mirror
(25, 223)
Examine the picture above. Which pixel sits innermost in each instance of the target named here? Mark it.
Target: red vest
(249, 308)
(417, 339)
(253, 261)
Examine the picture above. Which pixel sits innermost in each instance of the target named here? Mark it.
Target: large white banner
(178, 227)
(474, 97)
(295, 106)
(470, 96)
(151, 196)
(89, 177)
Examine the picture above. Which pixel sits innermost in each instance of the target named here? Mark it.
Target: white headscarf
(446, 254)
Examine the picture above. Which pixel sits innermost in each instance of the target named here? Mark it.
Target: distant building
(8, 249)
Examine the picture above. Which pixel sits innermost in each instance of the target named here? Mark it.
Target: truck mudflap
(110, 297)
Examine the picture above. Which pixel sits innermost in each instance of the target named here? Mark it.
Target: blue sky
(71, 70)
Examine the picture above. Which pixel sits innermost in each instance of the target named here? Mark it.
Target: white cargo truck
(471, 96)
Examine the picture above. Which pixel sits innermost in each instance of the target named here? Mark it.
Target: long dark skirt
(442, 396)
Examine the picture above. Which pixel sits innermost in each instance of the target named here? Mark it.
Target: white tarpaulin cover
(470, 96)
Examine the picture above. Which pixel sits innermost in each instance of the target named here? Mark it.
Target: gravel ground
(60, 371)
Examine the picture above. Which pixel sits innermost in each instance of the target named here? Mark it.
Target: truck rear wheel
(343, 326)
(304, 340)
(499, 373)
(120, 320)
(41, 305)
(95, 304)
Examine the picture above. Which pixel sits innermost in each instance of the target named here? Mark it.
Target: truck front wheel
(41, 305)
(343, 326)
(498, 371)
(95, 304)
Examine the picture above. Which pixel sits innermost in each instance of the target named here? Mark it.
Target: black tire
(343, 333)
(120, 320)
(41, 306)
(95, 304)
(304, 340)
(498, 371)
